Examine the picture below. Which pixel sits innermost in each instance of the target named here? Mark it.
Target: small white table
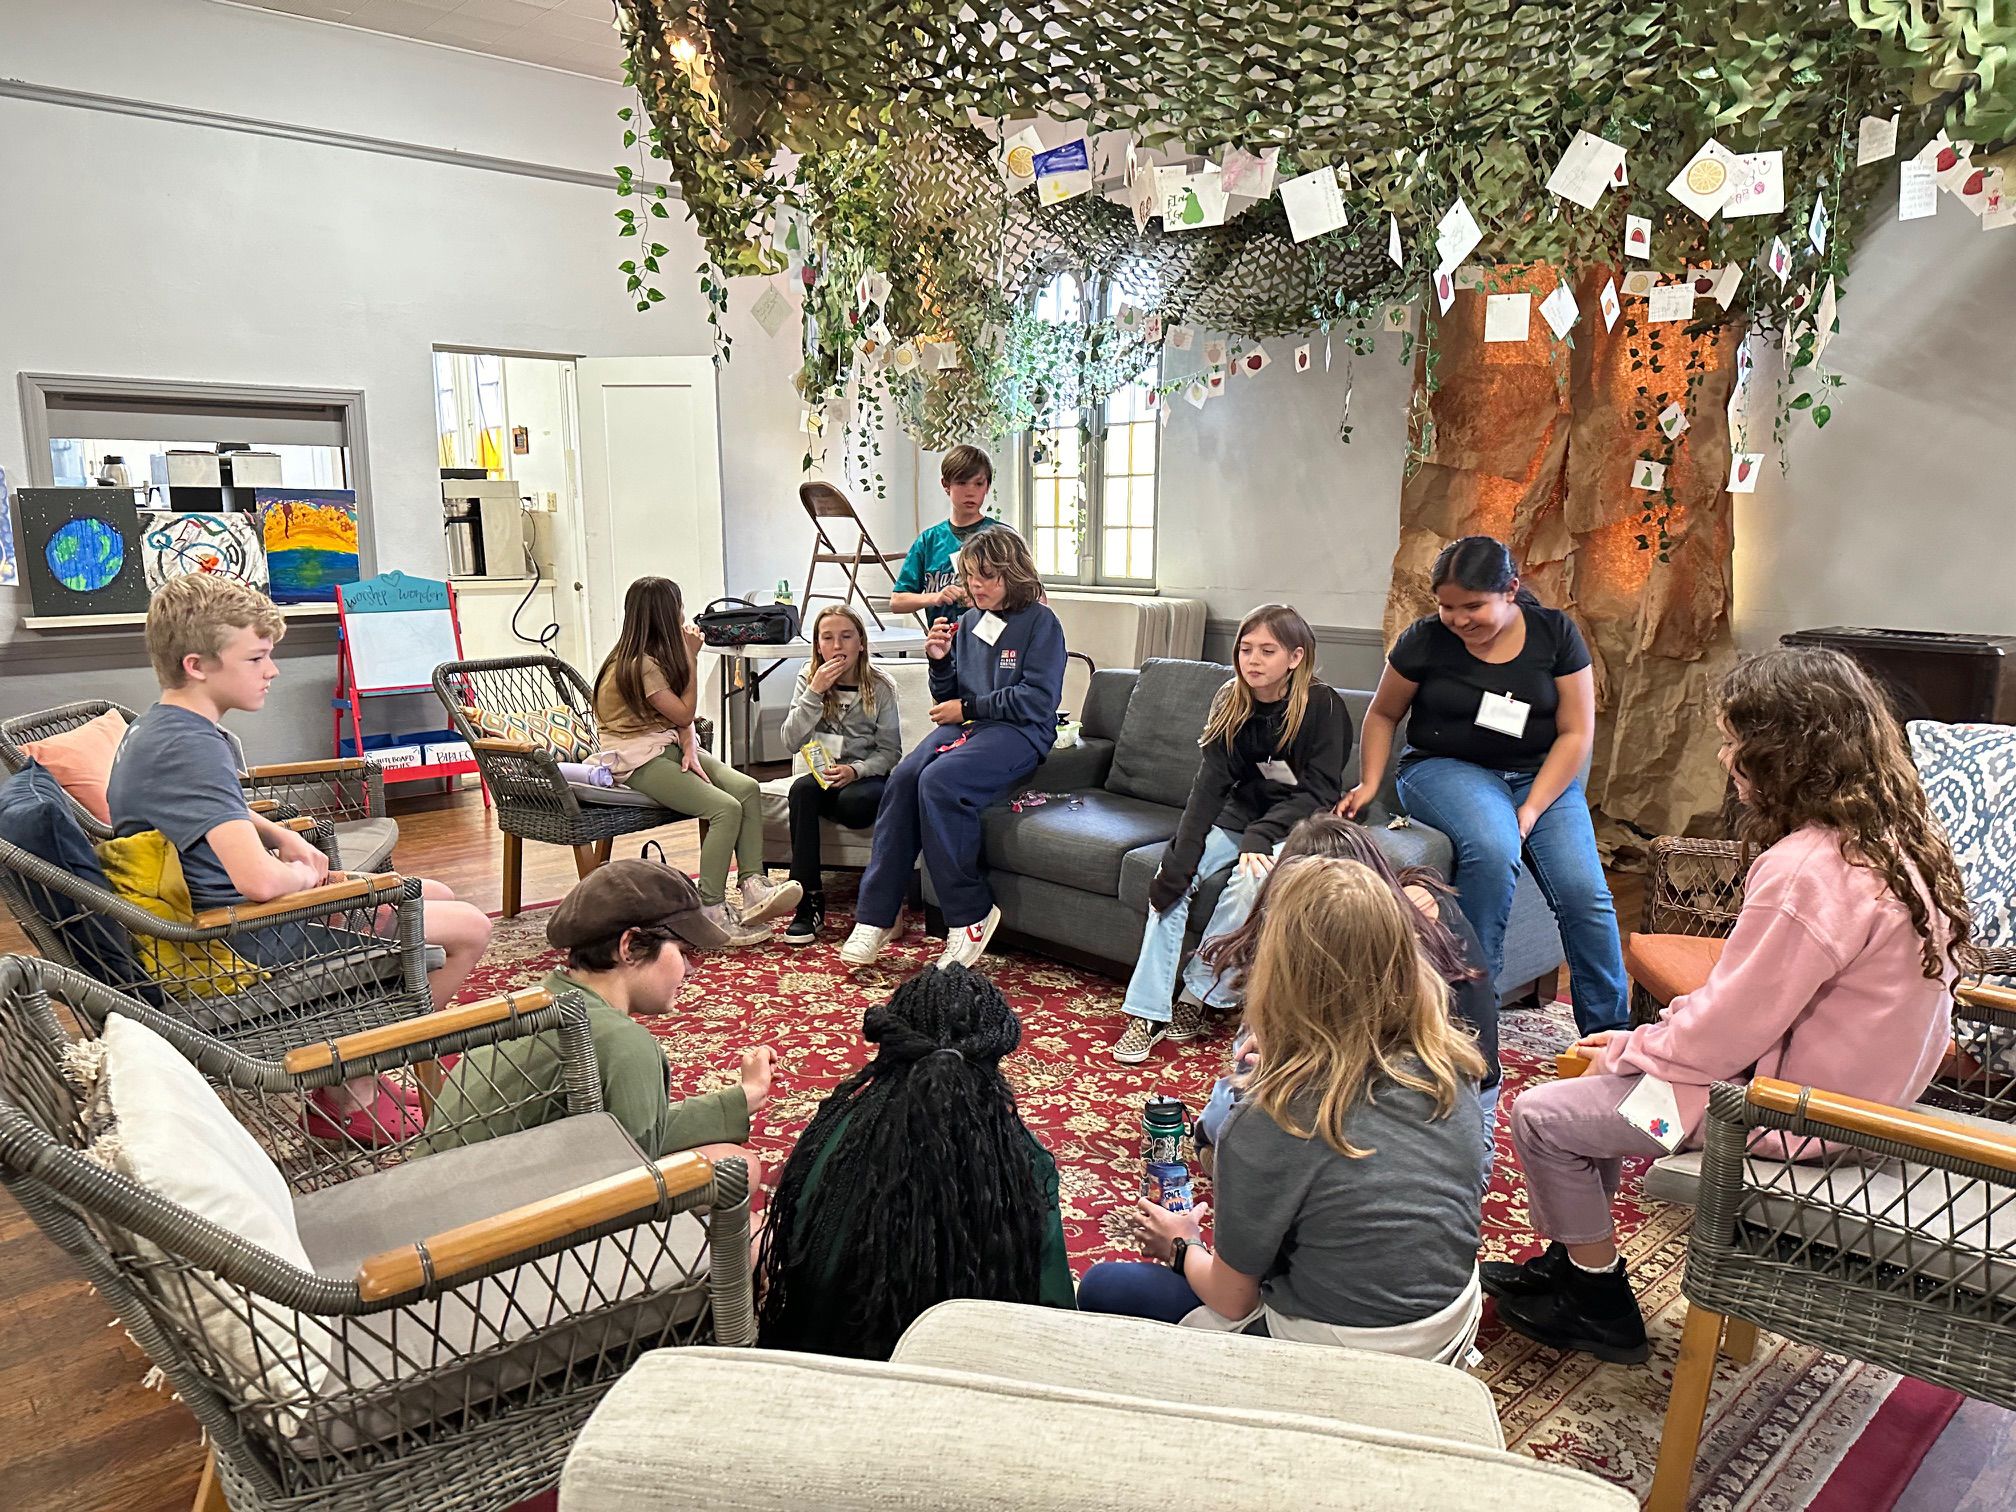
(743, 669)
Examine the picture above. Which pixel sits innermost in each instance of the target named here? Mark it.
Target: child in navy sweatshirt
(996, 680)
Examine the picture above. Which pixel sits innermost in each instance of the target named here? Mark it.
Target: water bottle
(1165, 1178)
(783, 591)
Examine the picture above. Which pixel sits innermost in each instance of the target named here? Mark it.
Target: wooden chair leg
(210, 1490)
(1739, 1341)
(587, 857)
(604, 849)
(514, 874)
(1692, 1379)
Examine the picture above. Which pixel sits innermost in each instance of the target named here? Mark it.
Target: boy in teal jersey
(929, 582)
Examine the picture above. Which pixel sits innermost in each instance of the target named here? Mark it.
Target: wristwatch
(1177, 1248)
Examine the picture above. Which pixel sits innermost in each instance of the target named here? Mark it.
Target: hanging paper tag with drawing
(1503, 713)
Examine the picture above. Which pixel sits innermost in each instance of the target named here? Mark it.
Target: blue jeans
(1153, 985)
(1478, 809)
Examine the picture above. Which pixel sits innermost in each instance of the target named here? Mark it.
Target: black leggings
(852, 807)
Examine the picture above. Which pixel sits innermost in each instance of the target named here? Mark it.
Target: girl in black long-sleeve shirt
(1274, 751)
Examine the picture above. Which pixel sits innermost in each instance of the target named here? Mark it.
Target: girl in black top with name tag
(1500, 706)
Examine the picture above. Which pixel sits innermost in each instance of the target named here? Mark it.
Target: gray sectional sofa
(1071, 875)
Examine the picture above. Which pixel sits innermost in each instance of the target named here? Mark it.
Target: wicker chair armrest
(1984, 995)
(1920, 1133)
(523, 773)
(460, 1252)
(335, 764)
(344, 889)
(1693, 887)
(408, 1034)
(496, 745)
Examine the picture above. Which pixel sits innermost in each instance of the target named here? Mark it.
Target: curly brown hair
(1815, 741)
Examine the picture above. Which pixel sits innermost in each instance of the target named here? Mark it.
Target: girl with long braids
(1274, 747)
(916, 1182)
(1838, 974)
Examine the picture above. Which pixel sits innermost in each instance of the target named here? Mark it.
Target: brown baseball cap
(625, 894)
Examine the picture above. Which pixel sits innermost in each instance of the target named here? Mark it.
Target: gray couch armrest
(1074, 768)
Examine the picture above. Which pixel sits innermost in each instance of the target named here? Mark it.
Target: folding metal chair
(824, 502)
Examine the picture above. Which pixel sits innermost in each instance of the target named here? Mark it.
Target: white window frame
(1096, 292)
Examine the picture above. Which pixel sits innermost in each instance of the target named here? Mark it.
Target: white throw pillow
(177, 1139)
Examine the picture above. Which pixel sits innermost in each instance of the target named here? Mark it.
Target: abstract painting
(80, 550)
(174, 543)
(310, 537)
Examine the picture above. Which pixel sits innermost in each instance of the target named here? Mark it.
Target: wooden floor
(77, 1431)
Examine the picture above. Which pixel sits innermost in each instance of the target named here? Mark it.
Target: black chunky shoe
(1534, 1276)
(808, 920)
(1593, 1311)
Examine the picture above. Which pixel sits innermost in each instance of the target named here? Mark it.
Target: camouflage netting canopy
(878, 126)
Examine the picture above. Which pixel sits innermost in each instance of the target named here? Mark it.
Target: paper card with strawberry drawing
(1445, 292)
(1781, 259)
(1302, 358)
(1743, 470)
(1180, 338)
(1214, 354)
(1647, 475)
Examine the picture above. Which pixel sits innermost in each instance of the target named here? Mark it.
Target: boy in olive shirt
(929, 582)
(622, 928)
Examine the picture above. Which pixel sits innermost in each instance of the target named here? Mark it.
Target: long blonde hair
(863, 675)
(1341, 998)
(1234, 704)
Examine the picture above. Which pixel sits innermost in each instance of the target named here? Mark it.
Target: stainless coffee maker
(485, 525)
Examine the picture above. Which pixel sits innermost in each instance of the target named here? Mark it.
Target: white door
(650, 489)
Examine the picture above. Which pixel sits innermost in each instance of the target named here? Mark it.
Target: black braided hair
(927, 1186)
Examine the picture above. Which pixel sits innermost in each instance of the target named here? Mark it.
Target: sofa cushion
(81, 759)
(36, 816)
(1669, 966)
(1106, 699)
(1079, 841)
(1157, 757)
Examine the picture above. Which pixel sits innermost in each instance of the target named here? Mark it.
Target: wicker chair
(1892, 1242)
(347, 792)
(534, 801)
(463, 1311)
(347, 955)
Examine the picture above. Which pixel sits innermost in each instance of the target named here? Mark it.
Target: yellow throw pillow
(555, 728)
(145, 871)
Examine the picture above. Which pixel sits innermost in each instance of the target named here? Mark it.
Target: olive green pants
(730, 801)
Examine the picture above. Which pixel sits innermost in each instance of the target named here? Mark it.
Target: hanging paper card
(1145, 196)
(1672, 421)
(1214, 354)
(1611, 307)
(944, 354)
(873, 289)
(1976, 189)
(1760, 186)
(1456, 237)
(1251, 362)
(1917, 191)
(1707, 180)
(1823, 320)
(1559, 311)
(1064, 172)
(1640, 282)
(1393, 239)
(1180, 338)
(1647, 475)
(1215, 381)
(770, 309)
(1743, 470)
(1127, 319)
(1954, 161)
(1469, 276)
(1302, 358)
(1017, 159)
(1816, 226)
(1197, 201)
(2000, 210)
(1250, 174)
(1196, 391)
(904, 357)
(1151, 330)
(1314, 202)
(1876, 140)
(1445, 292)
(1109, 159)
(1508, 317)
(1674, 301)
(1781, 259)
(1400, 317)
(1586, 169)
(1726, 282)
(1637, 237)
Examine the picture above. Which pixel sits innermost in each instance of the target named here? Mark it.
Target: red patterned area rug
(1777, 1428)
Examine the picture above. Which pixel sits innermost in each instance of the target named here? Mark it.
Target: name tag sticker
(1503, 713)
(1651, 1108)
(1277, 770)
(990, 627)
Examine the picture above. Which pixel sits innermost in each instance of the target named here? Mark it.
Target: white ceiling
(576, 35)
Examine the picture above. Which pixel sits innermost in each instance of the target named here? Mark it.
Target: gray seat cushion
(618, 796)
(403, 1369)
(1157, 756)
(365, 845)
(1079, 842)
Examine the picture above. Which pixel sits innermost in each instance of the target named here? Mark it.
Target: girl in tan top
(645, 697)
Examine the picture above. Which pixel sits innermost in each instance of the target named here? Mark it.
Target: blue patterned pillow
(1969, 772)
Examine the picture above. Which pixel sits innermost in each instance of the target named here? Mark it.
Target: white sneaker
(966, 946)
(738, 930)
(867, 942)
(763, 900)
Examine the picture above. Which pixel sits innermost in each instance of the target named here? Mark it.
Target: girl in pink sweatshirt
(1837, 975)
